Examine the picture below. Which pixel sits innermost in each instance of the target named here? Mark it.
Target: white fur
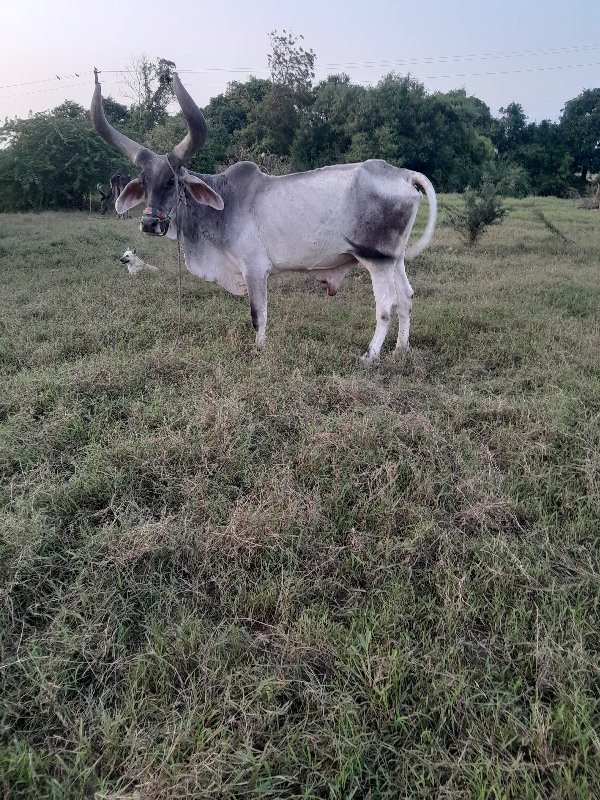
(135, 263)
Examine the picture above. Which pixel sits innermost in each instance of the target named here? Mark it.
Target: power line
(46, 80)
(354, 65)
(42, 91)
(467, 57)
(479, 74)
(348, 64)
(49, 89)
(408, 61)
(389, 62)
(508, 71)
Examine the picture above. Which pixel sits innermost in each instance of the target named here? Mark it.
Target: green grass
(228, 575)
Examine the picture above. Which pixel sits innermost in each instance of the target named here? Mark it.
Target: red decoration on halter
(155, 212)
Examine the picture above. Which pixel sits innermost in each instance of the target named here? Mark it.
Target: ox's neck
(196, 219)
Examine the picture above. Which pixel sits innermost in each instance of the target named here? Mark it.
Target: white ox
(241, 226)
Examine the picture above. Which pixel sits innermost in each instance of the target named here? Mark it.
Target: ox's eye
(170, 182)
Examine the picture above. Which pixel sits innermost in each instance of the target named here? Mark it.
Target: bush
(591, 197)
(52, 160)
(511, 180)
(481, 208)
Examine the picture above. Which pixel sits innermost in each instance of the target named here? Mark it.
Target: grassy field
(289, 575)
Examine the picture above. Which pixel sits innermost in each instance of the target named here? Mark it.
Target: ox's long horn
(196, 135)
(132, 150)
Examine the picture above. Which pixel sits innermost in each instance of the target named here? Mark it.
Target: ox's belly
(306, 262)
(305, 242)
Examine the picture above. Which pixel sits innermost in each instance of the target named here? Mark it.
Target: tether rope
(179, 197)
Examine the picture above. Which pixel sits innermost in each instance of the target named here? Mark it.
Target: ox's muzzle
(154, 221)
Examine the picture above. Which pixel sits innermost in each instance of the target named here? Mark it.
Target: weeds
(539, 214)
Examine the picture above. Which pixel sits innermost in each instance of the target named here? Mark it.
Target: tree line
(288, 123)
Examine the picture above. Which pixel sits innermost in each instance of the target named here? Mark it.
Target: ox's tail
(413, 250)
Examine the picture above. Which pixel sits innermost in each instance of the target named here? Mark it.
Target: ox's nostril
(149, 226)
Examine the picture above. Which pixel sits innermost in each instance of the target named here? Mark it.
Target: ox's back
(305, 219)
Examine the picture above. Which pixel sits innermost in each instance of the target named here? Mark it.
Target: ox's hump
(243, 170)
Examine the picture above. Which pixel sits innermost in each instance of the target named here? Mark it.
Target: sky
(539, 54)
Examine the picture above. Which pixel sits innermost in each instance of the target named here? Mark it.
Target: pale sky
(542, 53)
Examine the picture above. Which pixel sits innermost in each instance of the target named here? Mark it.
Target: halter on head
(160, 216)
(156, 214)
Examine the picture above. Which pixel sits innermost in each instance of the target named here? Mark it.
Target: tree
(290, 64)
(511, 129)
(537, 149)
(580, 129)
(324, 134)
(150, 87)
(164, 136)
(116, 113)
(470, 108)
(226, 115)
(545, 159)
(399, 121)
(388, 123)
(51, 160)
(272, 122)
(459, 152)
(532, 157)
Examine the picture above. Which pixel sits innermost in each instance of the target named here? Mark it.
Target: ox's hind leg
(404, 295)
(382, 278)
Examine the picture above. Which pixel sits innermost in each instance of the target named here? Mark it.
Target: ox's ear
(201, 192)
(131, 195)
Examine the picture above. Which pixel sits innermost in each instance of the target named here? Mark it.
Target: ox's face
(104, 198)
(158, 181)
(156, 184)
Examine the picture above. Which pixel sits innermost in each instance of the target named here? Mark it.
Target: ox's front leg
(256, 283)
(382, 278)
(404, 295)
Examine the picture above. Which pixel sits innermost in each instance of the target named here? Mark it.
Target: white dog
(135, 263)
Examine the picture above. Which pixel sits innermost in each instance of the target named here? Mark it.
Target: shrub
(511, 180)
(481, 208)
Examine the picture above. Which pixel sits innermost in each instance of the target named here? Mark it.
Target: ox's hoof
(368, 357)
